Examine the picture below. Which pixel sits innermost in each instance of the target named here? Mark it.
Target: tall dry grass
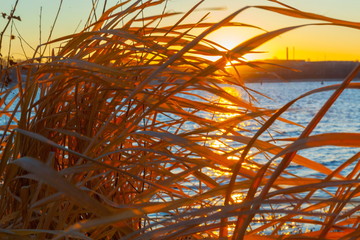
(115, 137)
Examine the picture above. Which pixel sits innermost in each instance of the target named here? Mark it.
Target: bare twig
(10, 18)
(53, 26)
(77, 27)
(11, 38)
(40, 41)
(22, 47)
(22, 38)
(92, 14)
(104, 8)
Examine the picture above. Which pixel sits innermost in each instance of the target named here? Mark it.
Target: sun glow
(230, 37)
(224, 145)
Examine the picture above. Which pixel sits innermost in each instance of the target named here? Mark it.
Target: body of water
(343, 116)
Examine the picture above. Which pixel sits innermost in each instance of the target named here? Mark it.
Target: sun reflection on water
(221, 142)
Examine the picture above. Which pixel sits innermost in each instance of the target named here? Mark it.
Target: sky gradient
(316, 43)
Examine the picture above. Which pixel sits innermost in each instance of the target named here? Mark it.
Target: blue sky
(315, 43)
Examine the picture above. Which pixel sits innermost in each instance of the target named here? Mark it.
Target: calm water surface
(343, 116)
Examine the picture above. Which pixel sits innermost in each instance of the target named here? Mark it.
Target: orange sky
(316, 43)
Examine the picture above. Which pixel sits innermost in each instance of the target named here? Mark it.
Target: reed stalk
(121, 134)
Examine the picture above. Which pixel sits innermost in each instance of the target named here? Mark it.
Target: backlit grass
(126, 133)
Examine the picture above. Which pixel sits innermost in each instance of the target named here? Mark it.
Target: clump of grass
(112, 137)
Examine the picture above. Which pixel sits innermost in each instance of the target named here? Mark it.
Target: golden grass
(110, 138)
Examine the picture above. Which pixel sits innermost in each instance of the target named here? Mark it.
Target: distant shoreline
(274, 80)
(297, 71)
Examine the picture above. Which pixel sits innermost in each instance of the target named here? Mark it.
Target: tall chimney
(287, 54)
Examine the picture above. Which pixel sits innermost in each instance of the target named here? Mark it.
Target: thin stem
(11, 38)
(21, 39)
(53, 25)
(7, 24)
(104, 8)
(92, 13)
(40, 41)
